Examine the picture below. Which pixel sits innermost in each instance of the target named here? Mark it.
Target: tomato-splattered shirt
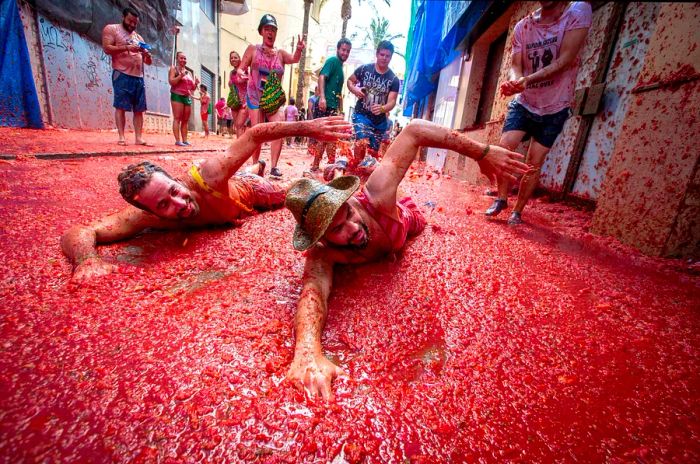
(126, 62)
(539, 45)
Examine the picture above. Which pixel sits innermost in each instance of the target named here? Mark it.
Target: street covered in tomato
(478, 342)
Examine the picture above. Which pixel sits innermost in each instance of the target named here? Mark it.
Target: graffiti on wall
(79, 77)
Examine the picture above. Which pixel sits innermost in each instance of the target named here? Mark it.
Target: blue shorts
(251, 105)
(366, 129)
(129, 92)
(544, 129)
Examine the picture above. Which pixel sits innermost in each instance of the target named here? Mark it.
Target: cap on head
(314, 205)
(267, 20)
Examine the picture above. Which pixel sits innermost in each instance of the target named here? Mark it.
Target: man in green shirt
(330, 88)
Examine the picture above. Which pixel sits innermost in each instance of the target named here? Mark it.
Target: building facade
(629, 146)
(73, 75)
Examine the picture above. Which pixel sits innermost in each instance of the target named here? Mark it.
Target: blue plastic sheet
(19, 104)
(437, 30)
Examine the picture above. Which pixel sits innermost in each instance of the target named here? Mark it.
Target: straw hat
(314, 204)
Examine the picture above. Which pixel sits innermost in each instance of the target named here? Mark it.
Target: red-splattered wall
(650, 197)
(77, 73)
(638, 160)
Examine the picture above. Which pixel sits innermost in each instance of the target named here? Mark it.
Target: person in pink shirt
(182, 86)
(238, 83)
(545, 59)
(126, 47)
(219, 107)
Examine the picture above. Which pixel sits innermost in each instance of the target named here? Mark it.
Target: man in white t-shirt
(545, 59)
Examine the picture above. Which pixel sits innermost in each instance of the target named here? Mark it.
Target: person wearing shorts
(260, 63)
(129, 54)
(376, 88)
(546, 47)
(204, 108)
(329, 96)
(182, 86)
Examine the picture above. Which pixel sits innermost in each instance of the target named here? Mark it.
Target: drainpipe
(214, 97)
(44, 77)
(291, 72)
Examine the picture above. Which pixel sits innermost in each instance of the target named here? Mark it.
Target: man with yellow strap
(210, 193)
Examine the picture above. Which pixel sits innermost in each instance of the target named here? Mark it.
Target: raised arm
(79, 242)
(288, 58)
(217, 171)
(384, 181)
(310, 368)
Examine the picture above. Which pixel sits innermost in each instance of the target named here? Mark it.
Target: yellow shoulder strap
(194, 172)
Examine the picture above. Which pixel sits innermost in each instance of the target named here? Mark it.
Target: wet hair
(343, 41)
(203, 87)
(134, 178)
(131, 11)
(292, 101)
(386, 45)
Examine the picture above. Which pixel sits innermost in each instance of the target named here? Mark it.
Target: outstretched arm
(217, 171)
(79, 242)
(384, 181)
(310, 368)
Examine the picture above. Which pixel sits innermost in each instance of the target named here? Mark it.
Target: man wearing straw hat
(336, 223)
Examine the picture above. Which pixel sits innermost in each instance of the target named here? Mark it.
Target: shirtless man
(337, 225)
(208, 194)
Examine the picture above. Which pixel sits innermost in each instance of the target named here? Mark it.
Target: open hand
(500, 162)
(91, 268)
(314, 373)
(329, 129)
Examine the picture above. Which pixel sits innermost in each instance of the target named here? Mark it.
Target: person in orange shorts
(208, 193)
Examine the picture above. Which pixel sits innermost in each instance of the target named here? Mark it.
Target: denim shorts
(544, 129)
(129, 92)
(365, 129)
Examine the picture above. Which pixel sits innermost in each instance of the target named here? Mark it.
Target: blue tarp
(437, 30)
(19, 104)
